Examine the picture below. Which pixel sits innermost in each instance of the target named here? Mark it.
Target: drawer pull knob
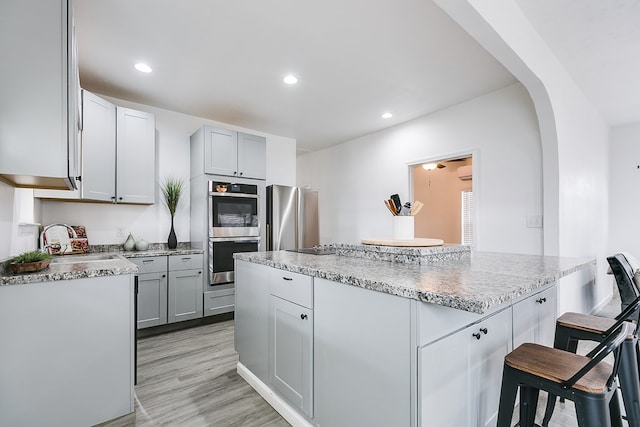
(303, 316)
(541, 300)
(477, 336)
(484, 330)
(287, 278)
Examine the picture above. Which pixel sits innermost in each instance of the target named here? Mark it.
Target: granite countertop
(476, 283)
(160, 252)
(70, 267)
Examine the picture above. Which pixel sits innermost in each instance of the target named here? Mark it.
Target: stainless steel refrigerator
(292, 218)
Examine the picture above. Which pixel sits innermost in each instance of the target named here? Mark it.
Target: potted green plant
(172, 189)
(30, 262)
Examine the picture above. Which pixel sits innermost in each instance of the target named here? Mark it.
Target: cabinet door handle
(164, 275)
(287, 278)
(484, 330)
(235, 172)
(477, 335)
(541, 300)
(147, 260)
(120, 198)
(303, 316)
(199, 272)
(240, 173)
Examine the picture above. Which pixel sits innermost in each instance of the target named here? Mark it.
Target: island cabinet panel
(291, 352)
(534, 318)
(252, 317)
(362, 357)
(460, 374)
(69, 362)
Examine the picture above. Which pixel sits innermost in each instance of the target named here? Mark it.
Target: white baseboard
(278, 403)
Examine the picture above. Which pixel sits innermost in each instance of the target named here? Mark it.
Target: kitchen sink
(70, 259)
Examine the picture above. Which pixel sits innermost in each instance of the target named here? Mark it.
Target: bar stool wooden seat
(585, 380)
(572, 327)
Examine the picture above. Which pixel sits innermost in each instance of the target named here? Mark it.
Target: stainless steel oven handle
(243, 195)
(235, 239)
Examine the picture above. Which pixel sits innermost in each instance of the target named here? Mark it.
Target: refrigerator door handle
(268, 239)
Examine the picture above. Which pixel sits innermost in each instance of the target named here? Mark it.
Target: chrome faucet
(45, 247)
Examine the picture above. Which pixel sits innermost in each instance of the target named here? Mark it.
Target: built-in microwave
(233, 210)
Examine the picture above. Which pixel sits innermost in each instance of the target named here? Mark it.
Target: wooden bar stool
(572, 327)
(585, 380)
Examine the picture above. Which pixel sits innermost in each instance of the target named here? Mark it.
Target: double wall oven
(234, 226)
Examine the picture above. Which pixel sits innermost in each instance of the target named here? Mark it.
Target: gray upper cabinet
(39, 114)
(220, 151)
(118, 155)
(98, 148)
(252, 153)
(135, 171)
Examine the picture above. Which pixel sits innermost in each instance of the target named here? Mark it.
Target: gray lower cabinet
(459, 375)
(185, 287)
(291, 352)
(291, 337)
(152, 291)
(221, 300)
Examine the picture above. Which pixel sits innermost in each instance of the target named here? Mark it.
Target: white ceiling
(598, 43)
(225, 60)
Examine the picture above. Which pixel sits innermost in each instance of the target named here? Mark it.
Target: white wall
(574, 138)
(500, 128)
(624, 200)
(172, 159)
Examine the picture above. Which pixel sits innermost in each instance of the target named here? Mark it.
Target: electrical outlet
(120, 231)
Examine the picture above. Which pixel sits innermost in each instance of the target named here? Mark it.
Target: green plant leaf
(33, 256)
(172, 189)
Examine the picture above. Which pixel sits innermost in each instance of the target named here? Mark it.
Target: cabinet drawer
(219, 301)
(294, 287)
(185, 262)
(154, 264)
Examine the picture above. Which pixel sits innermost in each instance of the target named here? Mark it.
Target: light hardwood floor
(188, 378)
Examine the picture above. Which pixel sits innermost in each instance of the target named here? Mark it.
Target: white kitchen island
(67, 343)
(380, 336)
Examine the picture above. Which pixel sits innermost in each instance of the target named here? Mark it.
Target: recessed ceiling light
(144, 68)
(290, 79)
(387, 115)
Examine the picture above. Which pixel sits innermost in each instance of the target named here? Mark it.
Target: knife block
(402, 227)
